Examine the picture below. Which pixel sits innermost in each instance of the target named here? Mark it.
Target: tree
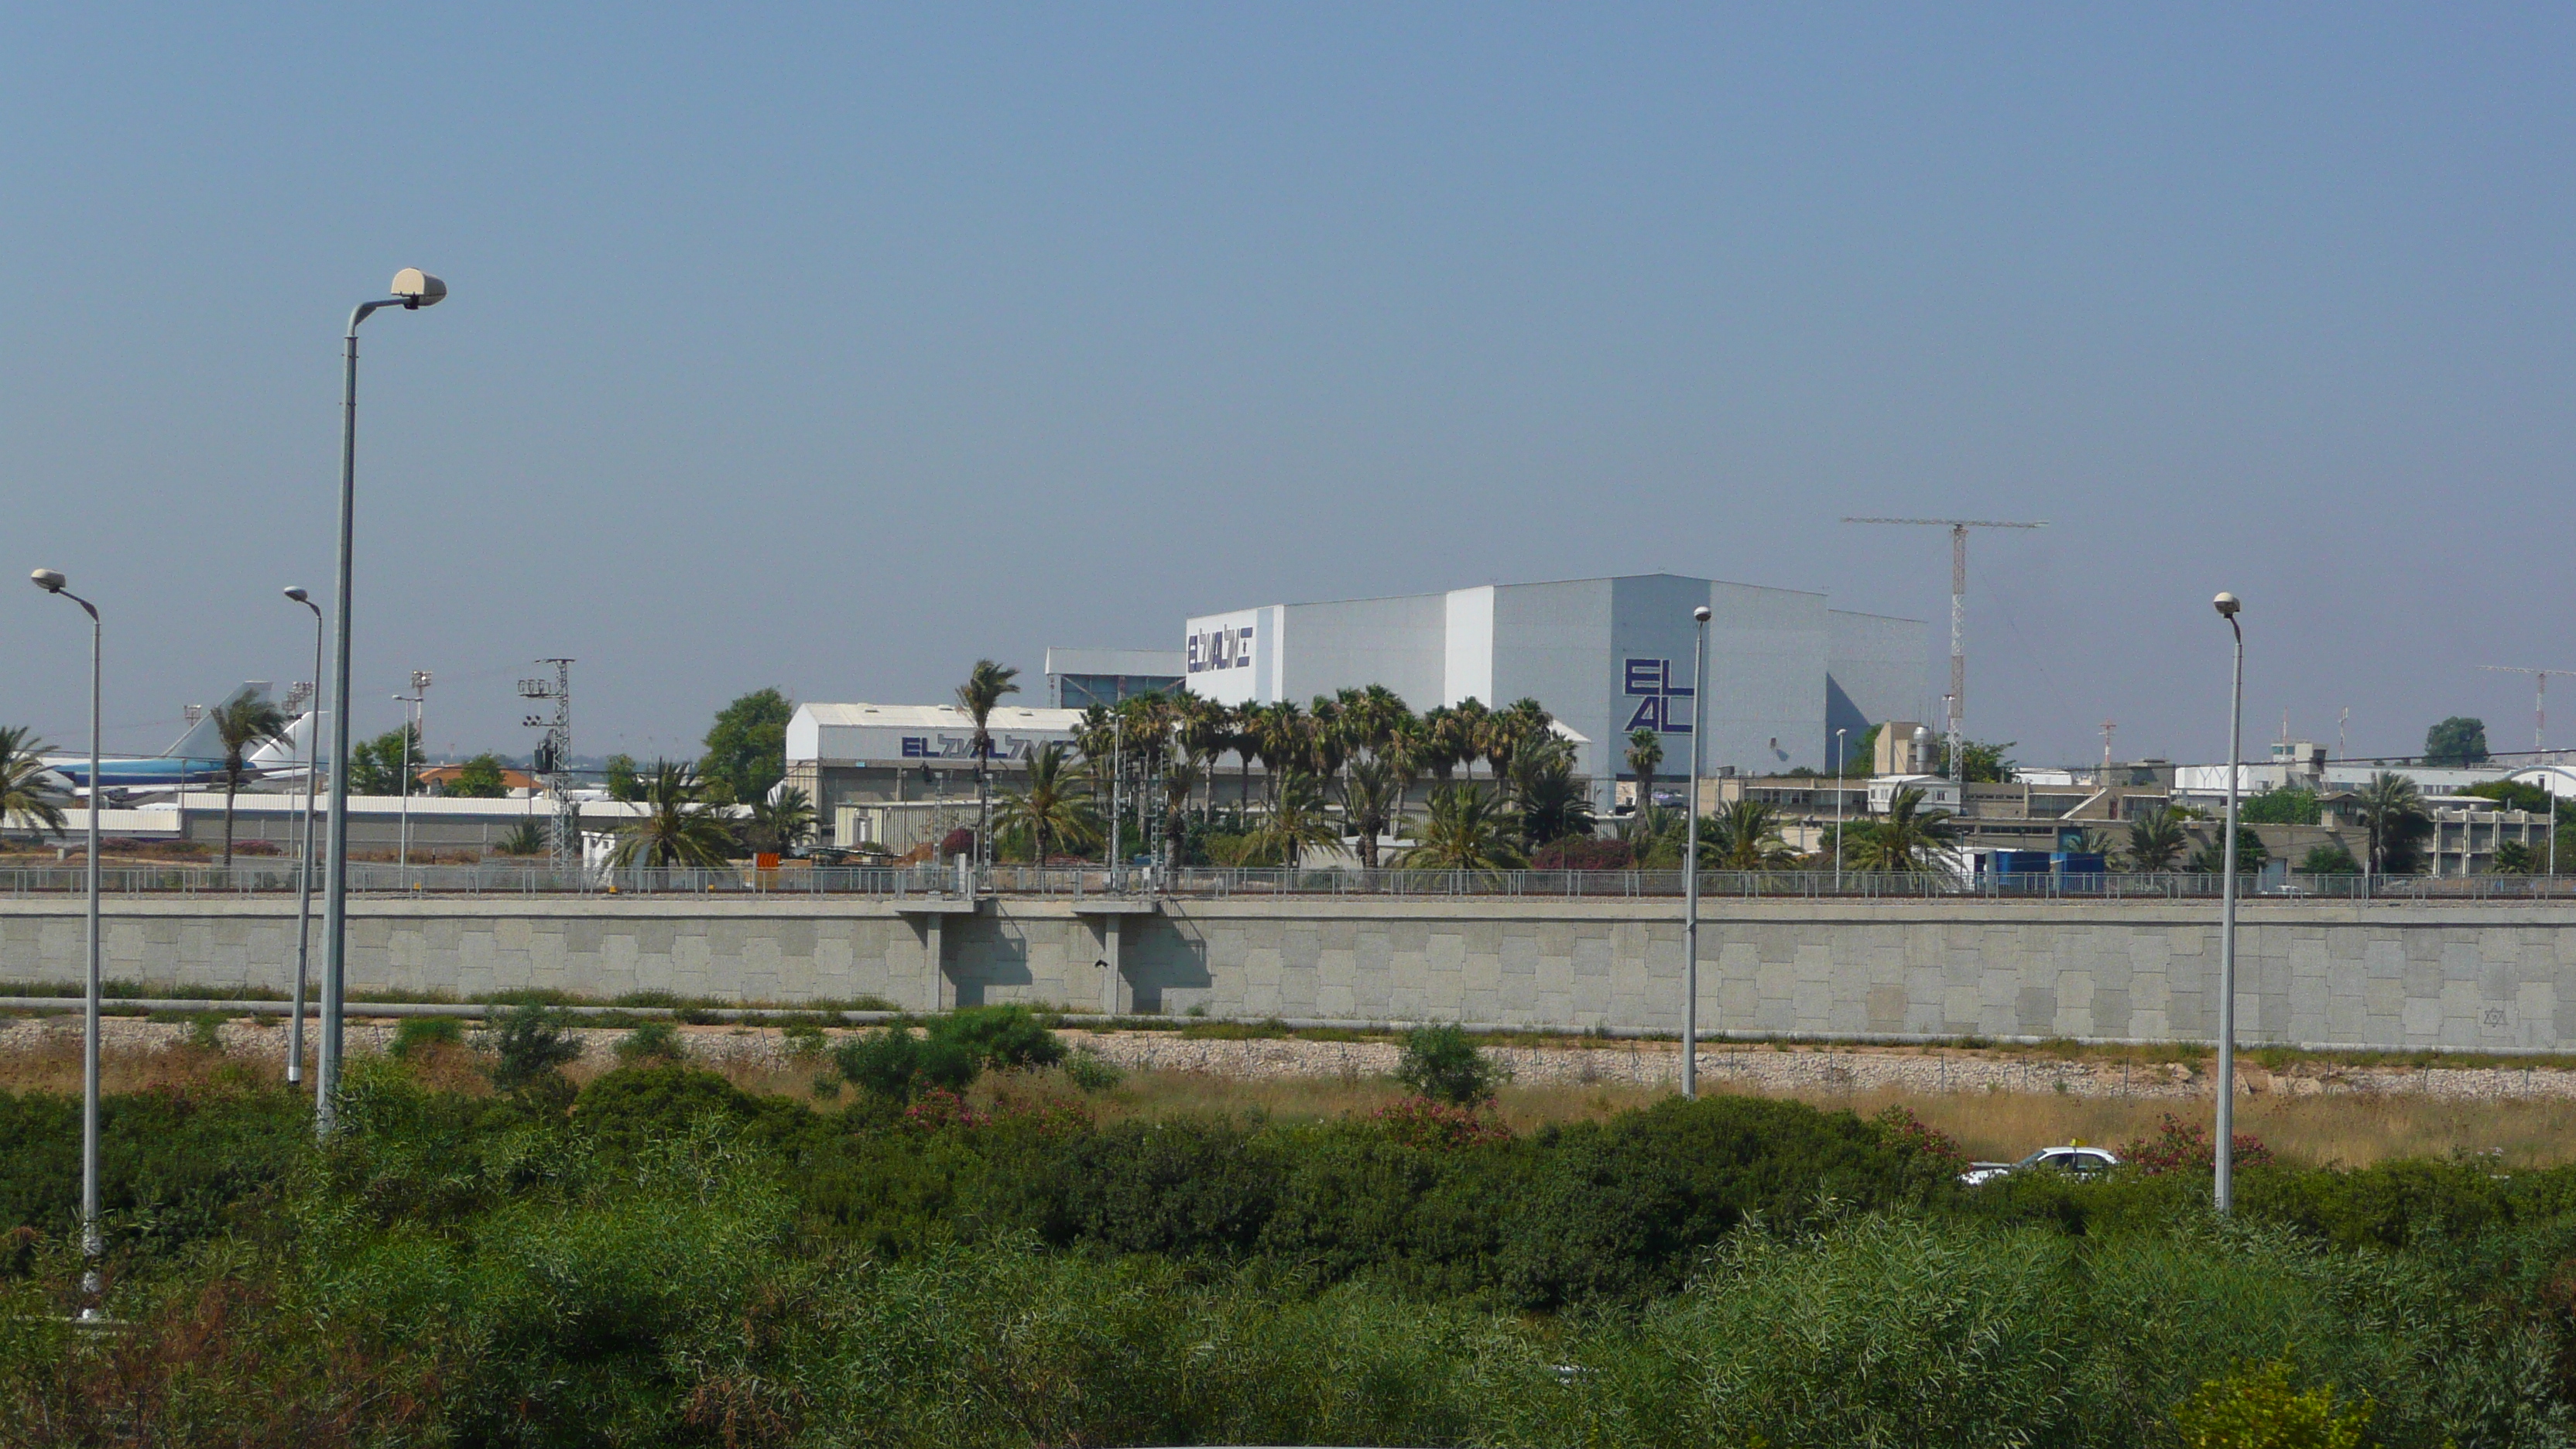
(1050, 809)
(619, 776)
(376, 766)
(1181, 779)
(480, 778)
(2393, 809)
(1554, 804)
(780, 821)
(28, 797)
(2513, 795)
(1908, 839)
(1645, 752)
(1297, 821)
(1466, 829)
(1442, 1063)
(528, 837)
(746, 748)
(1860, 752)
(2515, 857)
(2156, 840)
(2329, 859)
(677, 827)
(1987, 763)
(2456, 742)
(1373, 800)
(241, 725)
(2211, 858)
(2280, 805)
(979, 696)
(1743, 836)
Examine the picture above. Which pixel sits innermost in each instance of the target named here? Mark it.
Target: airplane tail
(276, 756)
(204, 741)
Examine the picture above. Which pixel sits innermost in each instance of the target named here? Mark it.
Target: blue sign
(1650, 683)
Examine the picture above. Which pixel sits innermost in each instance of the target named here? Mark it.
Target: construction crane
(1956, 702)
(2539, 700)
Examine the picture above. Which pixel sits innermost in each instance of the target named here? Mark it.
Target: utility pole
(1958, 697)
(2539, 702)
(553, 760)
(2108, 728)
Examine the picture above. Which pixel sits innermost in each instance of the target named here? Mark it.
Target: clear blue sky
(834, 349)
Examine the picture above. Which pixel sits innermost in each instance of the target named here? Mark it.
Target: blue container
(2026, 864)
(2079, 862)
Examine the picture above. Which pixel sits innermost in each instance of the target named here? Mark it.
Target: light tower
(1958, 696)
(554, 757)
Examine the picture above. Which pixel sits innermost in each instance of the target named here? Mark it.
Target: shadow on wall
(986, 953)
(1163, 956)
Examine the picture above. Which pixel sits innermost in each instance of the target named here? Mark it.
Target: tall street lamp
(1690, 859)
(52, 582)
(2228, 605)
(412, 290)
(1839, 784)
(304, 877)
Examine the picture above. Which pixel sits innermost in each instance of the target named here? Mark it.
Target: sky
(833, 348)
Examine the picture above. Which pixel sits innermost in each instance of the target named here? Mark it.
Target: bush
(1089, 1071)
(652, 1041)
(1584, 853)
(893, 1065)
(419, 1033)
(1442, 1063)
(2180, 1146)
(2255, 1408)
(957, 842)
(1004, 1038)
(804, 1040)
(530, 1044)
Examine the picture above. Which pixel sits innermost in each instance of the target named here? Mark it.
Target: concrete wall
(2484, 977)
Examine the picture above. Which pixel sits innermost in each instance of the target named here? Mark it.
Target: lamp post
(2228, 605)
(412, 290)
(418, 699)
(1838, 810)
(304, 877)
(1690, 859)
(52, 582)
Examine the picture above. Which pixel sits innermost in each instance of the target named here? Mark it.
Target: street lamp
(304, 878)
(52, 582)
(1839, 783)
(2227, 605)
(1690, 859)
(412, 290)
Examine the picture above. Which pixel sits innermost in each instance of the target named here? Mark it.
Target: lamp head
(1701, 614)
(296, 593)
(417, 289)
(2227, 605)
(49, 580)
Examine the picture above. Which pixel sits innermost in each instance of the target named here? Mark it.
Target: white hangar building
(1606, 656)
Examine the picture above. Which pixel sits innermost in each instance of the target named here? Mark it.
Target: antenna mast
(554, 761)
(1958, 697)
(2539, 700)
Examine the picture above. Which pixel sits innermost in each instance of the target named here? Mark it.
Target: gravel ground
(1646, 1064)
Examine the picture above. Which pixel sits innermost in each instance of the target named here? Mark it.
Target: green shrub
(651, 1041)
(1004, 1038)
(893, 1065)
(804, 1040)
(1443, 1063)
(2255, 1408)
(1089, 1071)
(417, 1033)
(530, 1044)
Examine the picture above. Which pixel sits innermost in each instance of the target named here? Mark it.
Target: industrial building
(1607, 656)
(1081, 678)
(894, 775)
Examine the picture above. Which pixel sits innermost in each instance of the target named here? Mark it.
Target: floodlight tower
(554, 757)
(1958, 697)
(2539, 702)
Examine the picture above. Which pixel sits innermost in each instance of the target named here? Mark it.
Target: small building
(895, 775)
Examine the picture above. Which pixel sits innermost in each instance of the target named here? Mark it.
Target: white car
(2082, 1161)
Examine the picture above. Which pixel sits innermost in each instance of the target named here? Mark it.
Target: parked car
(2079, 1160)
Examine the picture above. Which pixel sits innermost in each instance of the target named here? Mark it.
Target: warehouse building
(1606, 656)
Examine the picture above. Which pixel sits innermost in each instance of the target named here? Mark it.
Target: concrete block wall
(2468, 976)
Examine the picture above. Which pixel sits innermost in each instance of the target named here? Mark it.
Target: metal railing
(933, 882)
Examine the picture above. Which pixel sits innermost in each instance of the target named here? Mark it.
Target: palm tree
(985, 685)
(528, 837)
(1466, 829)
(1468, 728)
(1180, 780)
(782, 821)
(1513, 729)
(28, 796)
(1553, 803)
(1297, 821)
(1645, 752)
(1373, 799)
(246, 722)
(1049, 808)
(676, 828)
(1744, 836)
(2156, 840)
(1279, 738)
(1906, 840)
(2393, 809)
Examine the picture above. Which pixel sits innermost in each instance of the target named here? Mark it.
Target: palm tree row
(682, 826)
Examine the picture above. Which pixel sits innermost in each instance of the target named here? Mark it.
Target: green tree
(2393, 810)
(1553, 802)
(979, 696)
(2329, 859)
(2456, 742)
(1050, 809)
(1373, 800)
(746, 748)
(480, 778)
(1987, 763)
(619, 777)
(677, 827)
(2515, 857)
(2255, 1408)
(2280, 805)
(1744, 836)
(780, 821)
(1298, 820)
(28, 797)
(528, 837)
(376, 766)
(1860, 753)
(2513, 795)
(1908, 839)
(2156, 840)
(1645, 752)
(1443, 1063)
(242, 726)
(1467, 828)
(2211, 857)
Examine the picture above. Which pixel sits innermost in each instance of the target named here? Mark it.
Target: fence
(1075, 883)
